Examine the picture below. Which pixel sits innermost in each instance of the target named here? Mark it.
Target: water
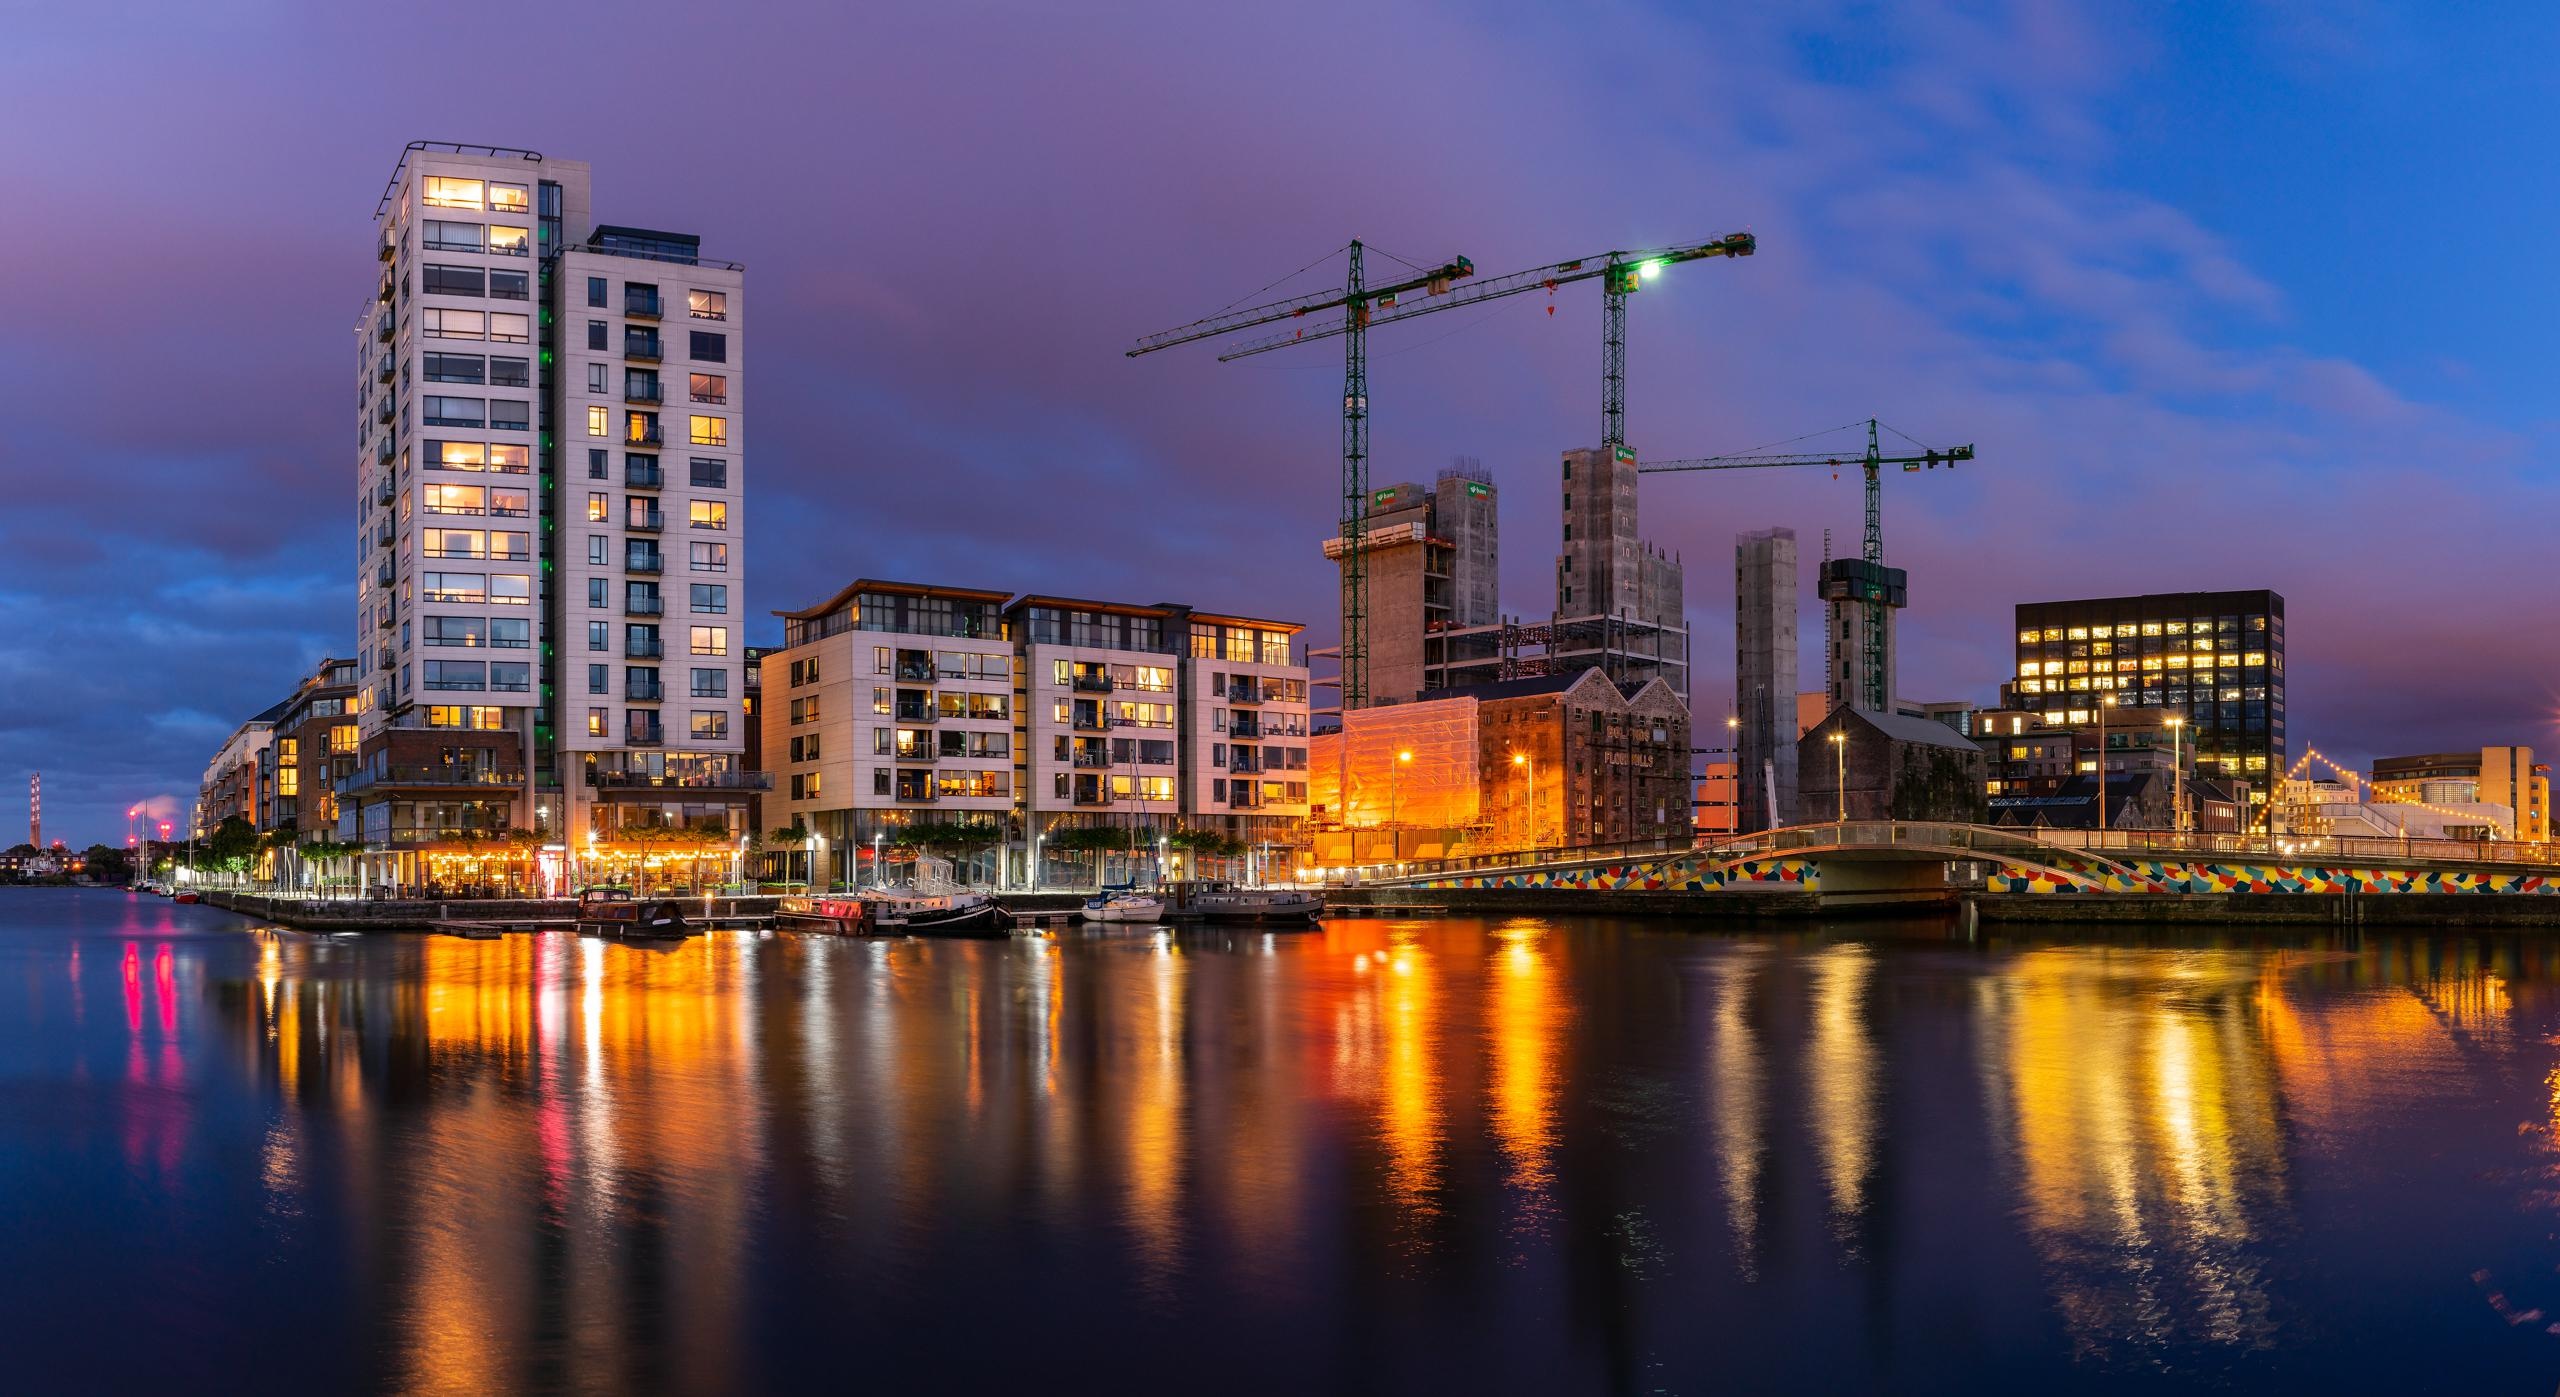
(1445, 1155)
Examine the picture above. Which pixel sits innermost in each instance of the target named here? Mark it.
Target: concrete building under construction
(1764, 668)
(1618, 598)
(1434, 556)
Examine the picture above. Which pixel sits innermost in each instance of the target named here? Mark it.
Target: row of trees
(956, 839)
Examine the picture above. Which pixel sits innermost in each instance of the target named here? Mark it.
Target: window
(468, 631)
(710, 723)
(599, 419)
(510, 286)
(510, 415)
(711, 640)
(510, 589)
(454, 412)
(510, 198)
(708, 388)
(438, 236)
(709, 557)
(452, 281)
(710, 473)
(599, 636)
(455, 368)
(711, 683)
(641, 555)
(511, 373)
(456, 543)
(596, 462)
(509, 459)
(711, 598)
(453, 586)
(595, 295)
(709, 431)
(641, 428)
(708, 514)
(640, 512)
(513, 329)
(804, 710)
(595, 378)
(436, 324)
(599, 551)
(710, 348)
(454, 499)
(599, 679)
(599, 507)
(707, 305)
(445, 192)
(456, 674)
(445, 715)
(507, 241)
(599, 594)
(596, 336)
(596, 721)
(511, 676)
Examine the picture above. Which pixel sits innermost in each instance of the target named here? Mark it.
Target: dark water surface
(1445, 1155)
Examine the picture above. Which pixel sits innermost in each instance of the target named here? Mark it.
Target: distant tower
(1764, 678)
(35, 809)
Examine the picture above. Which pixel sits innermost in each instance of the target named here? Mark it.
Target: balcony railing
(644, 650)
(644, 606)
(1096, 796)
(645, 436)
(644, 477)
(383, 574)
(687, 781)
(386, 492)
(1244, 731)
(387, 409)
(382, 452)
(641, 307)
(431, 776)
(1092, 761)
(650, 562)
(643, 691)
(385, 369)
(649, 523)
(383, 325)
(913, 754)
(1091, 722)
(643, 393)
(918, 795)
(915, 674)
(1245, 800)
(384, 534)
(641, 348)
(382, 619)
(1092, 683)
(909, 714)
(644, 737)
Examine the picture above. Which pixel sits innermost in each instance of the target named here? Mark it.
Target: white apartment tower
(552, 466)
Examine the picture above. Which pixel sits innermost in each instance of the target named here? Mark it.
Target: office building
(2215, 659)
(893, 703)
(1764, 669)
(1434, 556)
(553, 485)
(2504, 777)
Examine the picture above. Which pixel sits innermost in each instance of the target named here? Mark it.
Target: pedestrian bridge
(1899, 860)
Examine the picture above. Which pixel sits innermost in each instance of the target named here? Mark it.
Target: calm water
(1386, 1156)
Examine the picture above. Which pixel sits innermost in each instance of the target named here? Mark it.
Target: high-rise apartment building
(1765, 695)
(552, 467)
(2213, 659)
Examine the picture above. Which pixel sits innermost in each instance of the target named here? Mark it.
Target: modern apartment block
(239, 780)
(893, 703)
(312, 749)
(2215, 659)
(552, 529)
(1764, 668)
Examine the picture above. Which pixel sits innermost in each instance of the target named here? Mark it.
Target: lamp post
(1395, 789)
(1035, 860)
(879, 870)
(2104, 703)
(2177, 778)
(1529, 768)
(817, 848)
(1733, 749)
(1840, 749)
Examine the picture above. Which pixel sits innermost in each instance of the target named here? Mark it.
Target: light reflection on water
(1514, 1154)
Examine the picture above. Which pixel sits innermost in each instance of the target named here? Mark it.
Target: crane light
(1650, 269)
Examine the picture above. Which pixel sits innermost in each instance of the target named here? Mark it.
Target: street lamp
(1395, 789)
(817, 848)
(2177, 778)
(2105, 702)
(1840, 748)
(879, 870)
(1529, 768)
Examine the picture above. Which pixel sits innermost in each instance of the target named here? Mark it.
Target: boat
(844, 916)
(618, 912)
(1123, 906)
(1225, 902)
(187, 897)
(933, 905)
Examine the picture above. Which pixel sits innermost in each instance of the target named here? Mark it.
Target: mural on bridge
(2155, 876)
(1684, 874)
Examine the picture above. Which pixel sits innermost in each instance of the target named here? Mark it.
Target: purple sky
(2224, 300)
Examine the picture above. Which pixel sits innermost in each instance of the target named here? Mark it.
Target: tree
(791, 836)
(106, 863)
(232, 845)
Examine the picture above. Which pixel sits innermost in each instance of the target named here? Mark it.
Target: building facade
(2214, 659)
(552, 474)
(1765, 647)
(2491, 776)
(896, 703)
(1434, 557)
(1618, 598)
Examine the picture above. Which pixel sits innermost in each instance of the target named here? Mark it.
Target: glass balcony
(640, 305)
(648, 523)
(643, 606)
(645, 691)
(640, 477)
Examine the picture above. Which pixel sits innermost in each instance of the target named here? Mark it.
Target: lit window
(599, 421)
(509, 198)
(596, 721)
(710, 557)
(514, 329)
(507, 242)
(708, 388)
(453, 324)
(709, 514)
(710, 431)
(712, 723)
(511, 459)
(707, 305)
(2078, 633)
(599, 508)
(444, 192)
(2102, 632)
(711, 640)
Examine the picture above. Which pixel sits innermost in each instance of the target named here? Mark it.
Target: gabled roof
(1918, 731)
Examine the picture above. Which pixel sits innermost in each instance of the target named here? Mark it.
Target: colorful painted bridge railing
(2022, 861)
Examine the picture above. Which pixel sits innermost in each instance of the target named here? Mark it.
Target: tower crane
(1868, 584)
(1360, 305)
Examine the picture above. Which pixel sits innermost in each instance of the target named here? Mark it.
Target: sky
(2224, 297)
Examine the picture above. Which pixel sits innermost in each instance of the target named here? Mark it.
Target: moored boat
(618, 912)
(1225, 902)
(936, 912)
(1130, 907)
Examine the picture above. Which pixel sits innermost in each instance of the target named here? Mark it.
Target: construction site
(1458, 727)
